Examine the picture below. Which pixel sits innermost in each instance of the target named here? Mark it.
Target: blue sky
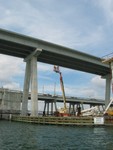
(84, 25)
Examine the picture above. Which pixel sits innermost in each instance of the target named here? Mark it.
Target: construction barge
(66, 121)
(88, 117)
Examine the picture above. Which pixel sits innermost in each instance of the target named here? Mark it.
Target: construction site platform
(71, 121)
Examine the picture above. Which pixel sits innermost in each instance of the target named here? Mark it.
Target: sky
(84, 25)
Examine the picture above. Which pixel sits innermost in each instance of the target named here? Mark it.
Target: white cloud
(42, 67)
(49, 89)
(80, 91)
(12, 86)
(44, 77)
(107, 8)
(50, 25)
(98, 82)
(93, 37)
(10, 67)
(96, 89)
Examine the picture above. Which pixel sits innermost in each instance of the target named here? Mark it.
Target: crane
(63, 111)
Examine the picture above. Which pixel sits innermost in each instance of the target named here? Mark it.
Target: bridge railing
(108, 56)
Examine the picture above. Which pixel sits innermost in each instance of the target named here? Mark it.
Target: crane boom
(63, 92)
(56, 69)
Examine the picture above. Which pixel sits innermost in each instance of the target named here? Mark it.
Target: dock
(66, 121)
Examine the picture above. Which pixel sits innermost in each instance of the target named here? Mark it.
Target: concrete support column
(82, 106)
(74, 109)
(51, 108)
(69, 108)
(26, 89)
(103, 108)
(107, 90)
(98, 108)
(44, 106)
(55, 105)
(34, 89)
(31, 72)
(48, 108)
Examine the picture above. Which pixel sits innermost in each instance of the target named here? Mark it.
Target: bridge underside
(21, 46)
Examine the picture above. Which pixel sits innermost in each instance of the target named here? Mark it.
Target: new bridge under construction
(32, 51)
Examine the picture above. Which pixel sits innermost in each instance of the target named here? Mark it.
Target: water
(26, 136)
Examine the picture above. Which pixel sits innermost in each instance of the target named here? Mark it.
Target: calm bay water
(26, 136)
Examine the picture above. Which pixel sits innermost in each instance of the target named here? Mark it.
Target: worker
(43, 113)
(79, 111)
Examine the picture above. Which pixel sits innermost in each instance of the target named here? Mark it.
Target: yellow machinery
(109, 110)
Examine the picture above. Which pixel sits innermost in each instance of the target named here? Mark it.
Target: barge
(70, 121)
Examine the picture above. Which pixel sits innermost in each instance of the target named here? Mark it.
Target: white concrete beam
(36, 53)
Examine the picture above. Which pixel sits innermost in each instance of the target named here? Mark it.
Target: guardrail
(108, 56)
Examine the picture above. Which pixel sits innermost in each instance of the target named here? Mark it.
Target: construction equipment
(108, 59)
(63, 111)
(109, 110)
(93, 111)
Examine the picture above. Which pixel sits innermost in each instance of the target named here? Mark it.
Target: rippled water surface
(26, 136)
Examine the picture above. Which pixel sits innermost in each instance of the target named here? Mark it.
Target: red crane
(63, 111)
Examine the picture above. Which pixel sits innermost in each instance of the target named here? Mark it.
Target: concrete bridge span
(19, 45)
(10, 101)
(33, 50)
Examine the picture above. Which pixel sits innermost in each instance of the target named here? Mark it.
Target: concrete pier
(31, 75)
(49, 107)
(26, 89)
(34, 89)
(107, 89)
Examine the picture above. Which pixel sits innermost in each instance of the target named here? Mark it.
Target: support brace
(35, 53)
